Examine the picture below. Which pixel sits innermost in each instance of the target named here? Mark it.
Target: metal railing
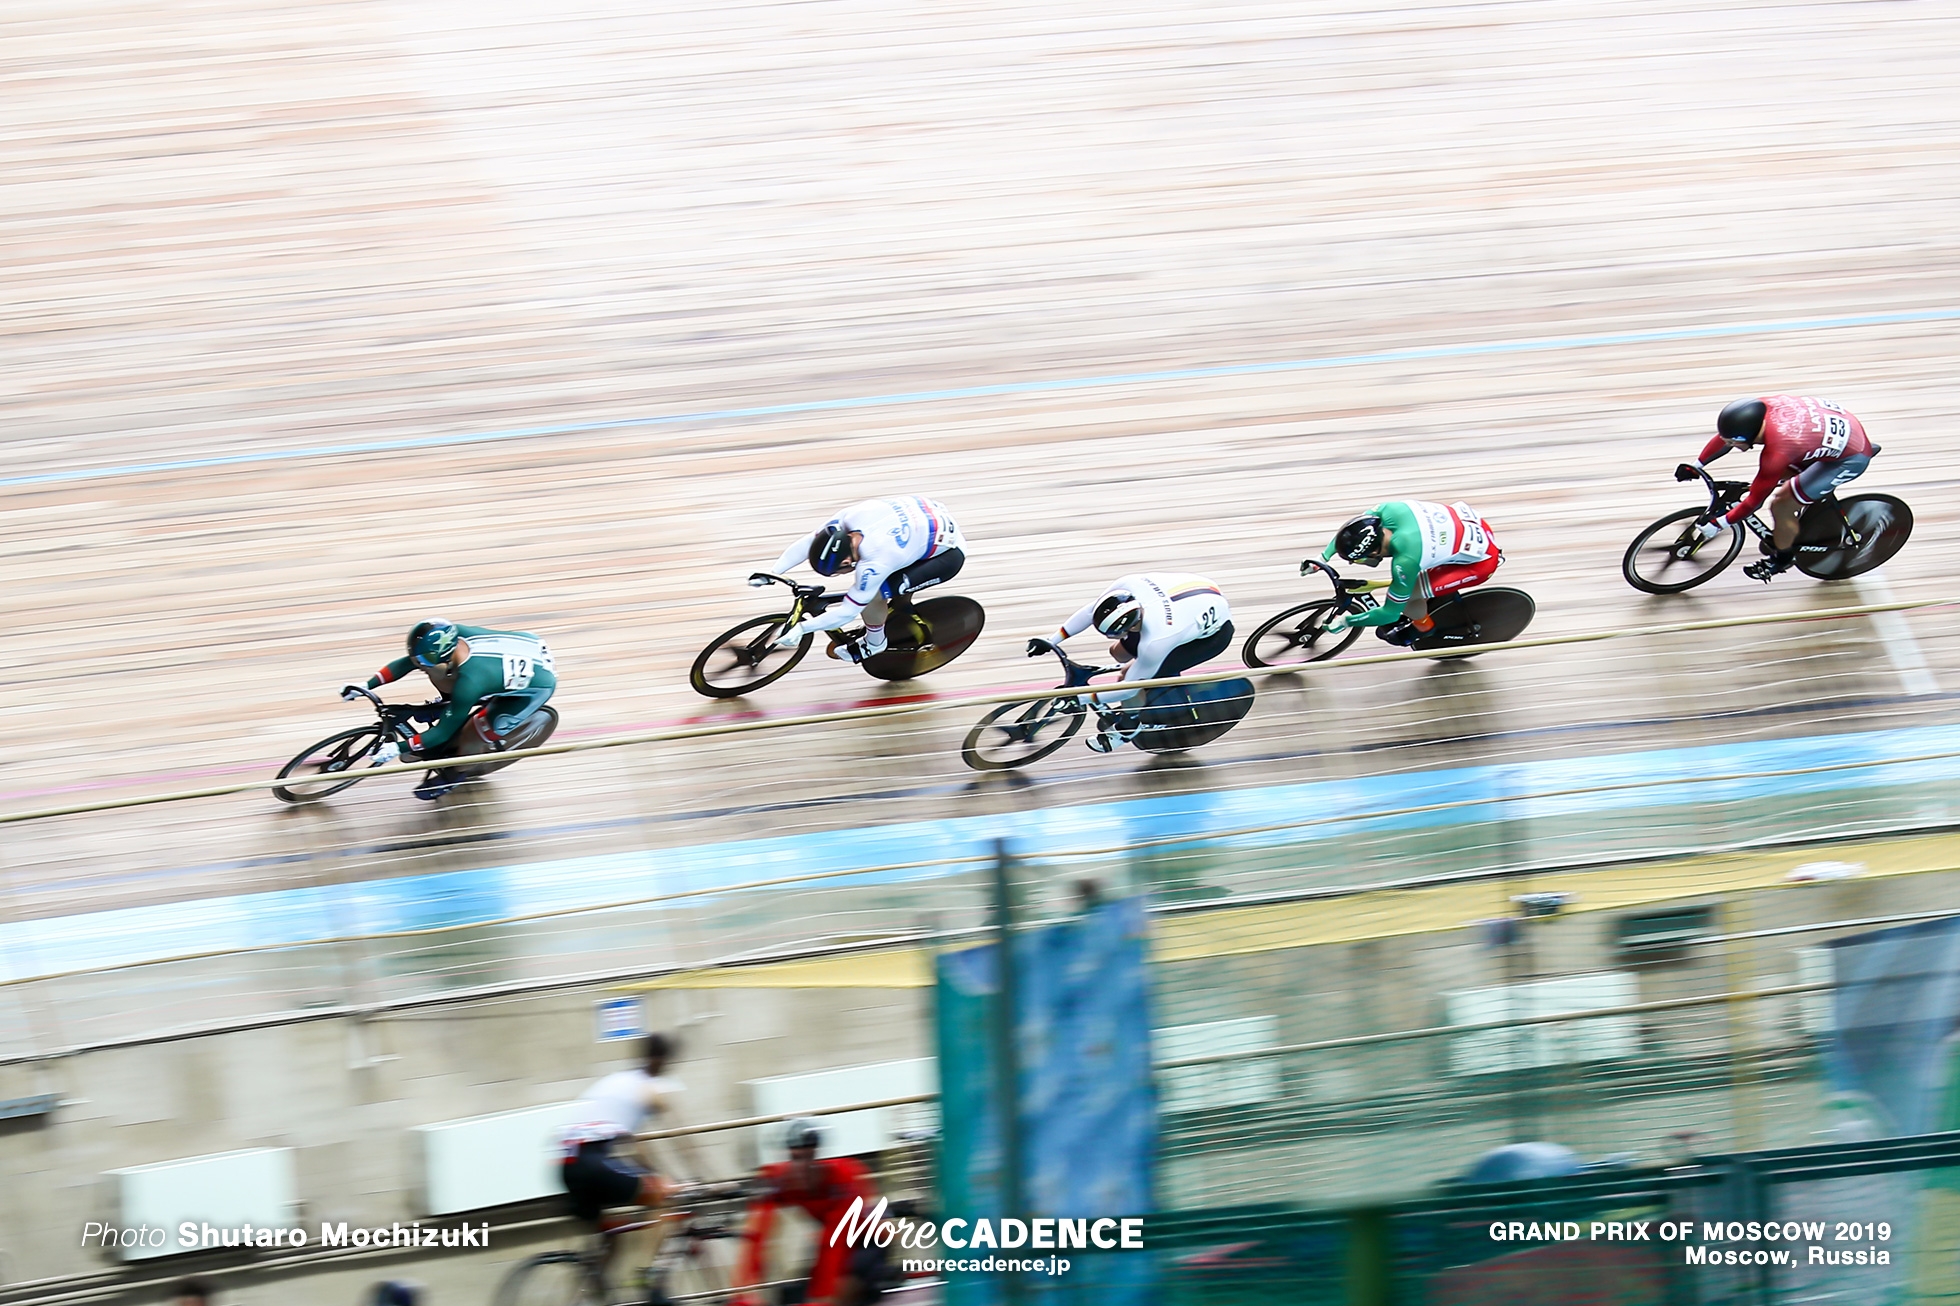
(565, 925)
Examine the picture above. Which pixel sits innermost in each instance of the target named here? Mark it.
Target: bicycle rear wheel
(1489, 616)
(746, 658)
(1879, 524)
(530, 732)
(940, 630)
(552, 1279)
(1669, 557)
(334, 757)
(1178, 719)
(1015, 734)
(1298, 635)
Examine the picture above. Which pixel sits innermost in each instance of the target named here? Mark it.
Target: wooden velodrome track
(242, 235)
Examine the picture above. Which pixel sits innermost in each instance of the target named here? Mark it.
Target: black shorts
(925, 573)
(596, 1179)
(1185, 656)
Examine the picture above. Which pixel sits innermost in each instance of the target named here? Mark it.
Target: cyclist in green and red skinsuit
(509, 670)
(1434, 549)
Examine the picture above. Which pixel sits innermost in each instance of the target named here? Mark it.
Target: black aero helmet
(801, 1133)
(1742, 420)
(1118, 614)
(431, 642)
(396, 1292)
(830, 550)
(1360, 539)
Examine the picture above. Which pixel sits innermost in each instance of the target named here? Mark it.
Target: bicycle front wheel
(338, 761)
(1298, 635)
(552, 1279)
(746, 658)
(1669, 557)
(1015, 734)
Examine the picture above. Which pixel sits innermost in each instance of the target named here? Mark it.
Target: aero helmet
(431, 642)
(802, 1132)
(1118, 614)
(1360, 540)
(830, 550)
(1741, 422)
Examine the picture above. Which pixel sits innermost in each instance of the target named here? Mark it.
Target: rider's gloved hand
(1037, 646)
(387, 755)
(757, 580)
(1708, 530)
(352, 690)
(1687, 472)
(1340, 623)
(1309, 564)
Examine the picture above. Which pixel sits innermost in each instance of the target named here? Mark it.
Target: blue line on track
(451, 898)
(1414, 354)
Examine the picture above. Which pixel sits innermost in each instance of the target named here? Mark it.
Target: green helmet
(431, 642)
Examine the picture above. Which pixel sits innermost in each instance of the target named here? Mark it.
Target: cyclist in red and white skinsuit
(1810, 448)
(823, 1190)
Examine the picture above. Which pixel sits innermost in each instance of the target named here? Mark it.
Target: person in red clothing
(1810, 448)
(823, 1190)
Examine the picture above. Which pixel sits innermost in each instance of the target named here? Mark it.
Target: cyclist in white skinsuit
(891, 547)
(1161, 625)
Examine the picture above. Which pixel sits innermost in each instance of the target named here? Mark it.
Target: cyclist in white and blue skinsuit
(1161, 625)
(891, 547)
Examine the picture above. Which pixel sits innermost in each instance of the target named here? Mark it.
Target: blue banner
(1087, 1107)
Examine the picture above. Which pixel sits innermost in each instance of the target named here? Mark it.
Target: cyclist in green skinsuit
(1434, 549)
(509, 671)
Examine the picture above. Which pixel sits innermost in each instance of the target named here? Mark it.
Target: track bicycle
(1489, 614)
(1836, 539)
(1173, 718)
(921, 636)
(680, 1269)
(342, 760)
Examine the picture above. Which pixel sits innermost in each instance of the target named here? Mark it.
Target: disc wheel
(1669, 557)
(1878, 523)
(339, 761)
(935, 632)
(551, 1279)
(1194, 722)
(530, 732)
(1015, 734)
(1480, 617)
(746, 658)
(1298, 635)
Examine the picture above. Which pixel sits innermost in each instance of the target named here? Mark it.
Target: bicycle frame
(1723, 495)
(680, 1245)
(1353, 595)
(807, 600)
(394, 716)
(1075, 675)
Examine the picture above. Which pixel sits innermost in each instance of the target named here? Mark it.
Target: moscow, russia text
(1723, 1242)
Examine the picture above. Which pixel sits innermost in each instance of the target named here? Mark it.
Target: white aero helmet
(1118, 614)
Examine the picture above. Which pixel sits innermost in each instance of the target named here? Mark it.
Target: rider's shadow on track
(1454, 703)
